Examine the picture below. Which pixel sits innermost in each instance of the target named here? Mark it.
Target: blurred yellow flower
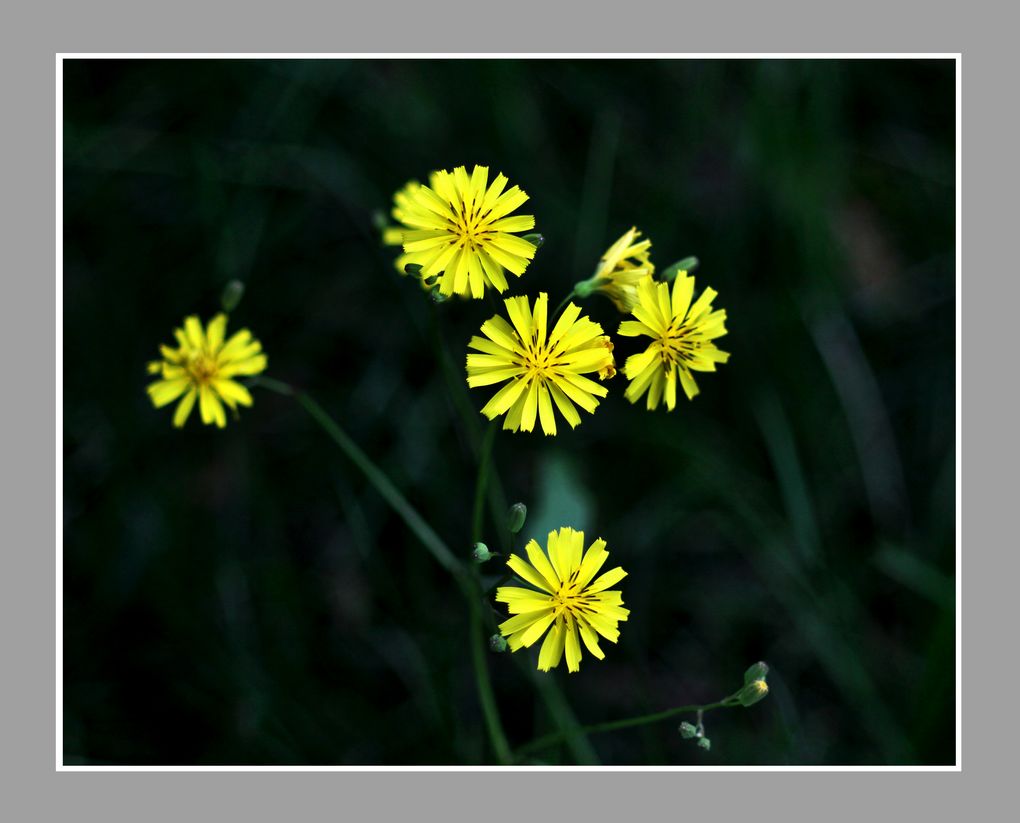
(394, 235)
(202, 367)
(620, 269)
(459, 229)
(682, 339)
(541, 369)
(567, 602)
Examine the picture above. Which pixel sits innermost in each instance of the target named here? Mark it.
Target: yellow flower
(202, 367)
(682, 339)
(620, 269)
(459, 227)
(567, 600)
(394, 235)
(541, 369)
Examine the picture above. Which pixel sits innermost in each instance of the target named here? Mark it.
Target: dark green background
(242, 596)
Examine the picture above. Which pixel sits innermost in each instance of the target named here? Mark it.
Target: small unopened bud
(497, 644)
(379, 220)
(535, 239)
(688, 264)
(481, 553)
(516, 516)
(705, 743)
(688, 730)
(756, 672)
(752, 692)
(231, 296)
(413, 268)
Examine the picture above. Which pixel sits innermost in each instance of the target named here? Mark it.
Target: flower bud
(688, 730)
(535, 239)
(705, 744)
(688, 264)
(497, 644)
(586, 288)
(231, 295)
(752, 693)
(516, 516)
(481, 553)
(756, 672)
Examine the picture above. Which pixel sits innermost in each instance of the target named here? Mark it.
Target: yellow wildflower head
(202, 368)
(565, 600)
(459, 229)
(540, 368)
(620, 269)
(682, 335)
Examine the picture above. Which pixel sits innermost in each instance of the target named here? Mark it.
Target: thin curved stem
(434, 544)
(548, 740)
(563, 304)
(482, 482)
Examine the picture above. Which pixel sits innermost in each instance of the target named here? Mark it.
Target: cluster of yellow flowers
(460, 237)
(457, 234)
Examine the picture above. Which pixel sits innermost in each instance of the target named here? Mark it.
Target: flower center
(202, 368)
(676, 346)
(470, 226)
(570, 599)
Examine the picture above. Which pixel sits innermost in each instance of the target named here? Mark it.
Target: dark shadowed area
(244, 596)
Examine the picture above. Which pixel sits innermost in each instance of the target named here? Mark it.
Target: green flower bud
(231, 295)
(756, 672)
(379, 220)
(481, 553)
(688, 730)
(516, 516)
(497, 644)
(688, 264)
(752, 693)
(535, 239)
(705, 744)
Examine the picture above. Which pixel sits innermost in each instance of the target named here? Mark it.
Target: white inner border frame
(59, 224)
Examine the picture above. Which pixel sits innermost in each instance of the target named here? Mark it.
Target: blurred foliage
(242, 596)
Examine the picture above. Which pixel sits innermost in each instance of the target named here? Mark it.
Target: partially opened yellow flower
(682, 335)
(620, 270)
(202, 368)
(540, 368)
(459, 229)
(566, 600)
(394, 235)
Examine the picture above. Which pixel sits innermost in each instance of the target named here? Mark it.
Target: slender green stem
(613, 725)
(483, 684)
(482, 482)
(462, 402)
(563, 304)
(422, 530)
(468, 583)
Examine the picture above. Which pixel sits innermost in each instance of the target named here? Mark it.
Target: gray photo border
(41, 31)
